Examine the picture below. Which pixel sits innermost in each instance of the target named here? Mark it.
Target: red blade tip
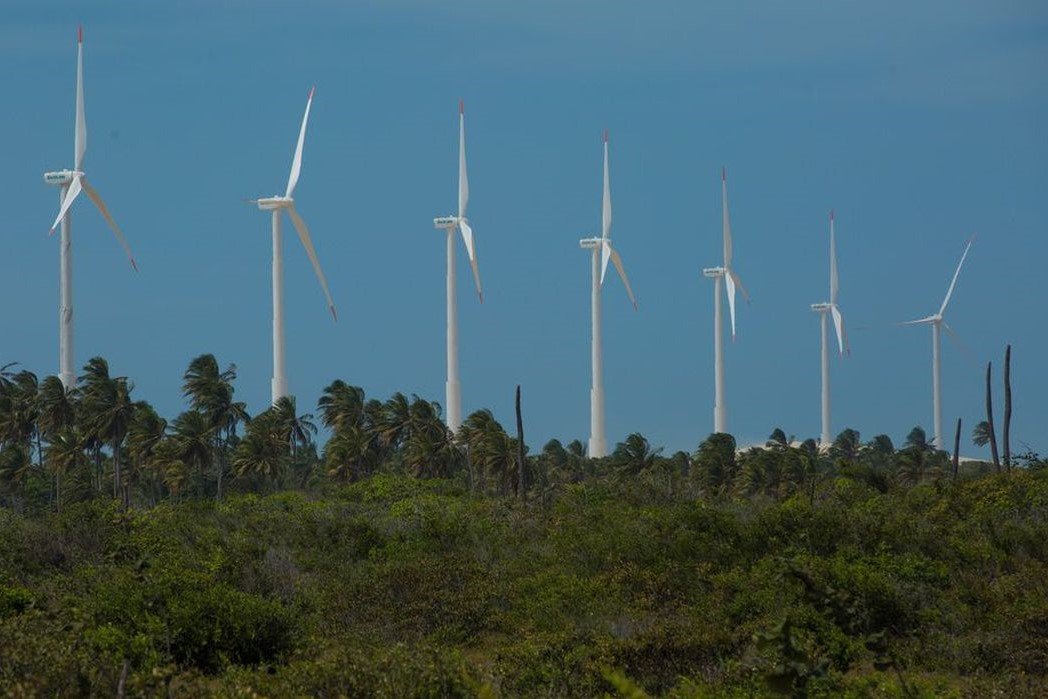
(831, 214)
(605, 135)
(311, 91)
(462, 107)
(724, 174)
(134, 265)
(79, 33)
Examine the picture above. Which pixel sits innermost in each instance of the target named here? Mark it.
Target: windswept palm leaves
(108, 410)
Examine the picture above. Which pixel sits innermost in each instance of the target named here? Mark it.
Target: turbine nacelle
(445, 222)
(590, 243)
(821, 307)
(713, 272)
(61, 177)
(273, 203)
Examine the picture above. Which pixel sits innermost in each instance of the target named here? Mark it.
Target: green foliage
(395, 586)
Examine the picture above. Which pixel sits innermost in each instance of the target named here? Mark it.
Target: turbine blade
(463, 177)
(471, 250)
(605, 213)
(920, 321)
(93, 194)
(729, 285)
(834, 279)
(968, 354)
(738, 284)
(296, 163)
(617, 259)
(605, 255)
(838, 325)
(949, 292)
(307, 243)
(71, 194)
(726, 219)
(81, 123)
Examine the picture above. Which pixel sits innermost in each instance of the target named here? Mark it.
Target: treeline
(60, 445)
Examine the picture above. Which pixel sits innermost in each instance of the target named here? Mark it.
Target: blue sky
(921, 123)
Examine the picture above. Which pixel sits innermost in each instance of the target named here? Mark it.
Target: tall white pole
(937, 385)
(66, 372)
(824, 322)
(452, 390)
(597, 444)
(279, 383)
(720, 412)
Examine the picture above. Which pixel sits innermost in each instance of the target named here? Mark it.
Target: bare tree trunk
(1007, 407)
(521, 483)
(122, 681)
(957, 449)
(989, 420)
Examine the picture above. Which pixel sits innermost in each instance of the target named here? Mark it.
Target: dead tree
(957, 449)
(989, 419)
(521, 482)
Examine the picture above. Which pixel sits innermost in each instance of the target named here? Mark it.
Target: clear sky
(921, 123)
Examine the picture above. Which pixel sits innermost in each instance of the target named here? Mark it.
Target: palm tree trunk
(989, 420)
(1007, 407)
(521, 483)
(957, 449)
(116, 470)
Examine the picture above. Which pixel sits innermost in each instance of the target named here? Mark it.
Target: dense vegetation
(223, 554)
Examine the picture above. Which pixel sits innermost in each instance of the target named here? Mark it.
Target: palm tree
(210, 392)
(394, 422)
(262, 453)
(64, 454)
(348, 455)
(430, 449)
(634, 455)
(109, 409)
(18, 410)
(778, 440)
(144, 435)
(917, 439)
(292, 429)
(491, 451)
(981, 434)
(715, 463)
(194, 435)
(341, 406)
(56, 407)
(846, 446)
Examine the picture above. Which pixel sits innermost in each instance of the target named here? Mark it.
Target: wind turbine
(824, 309)
(70, 184)
(731, 282)
(452, 389)
(276, 204)
(602, 253)
(936, 321)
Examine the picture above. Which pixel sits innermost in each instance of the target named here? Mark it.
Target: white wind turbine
(824, 309)
(453, 391)
(276, 204)
(731, 282)
(936, 321)
(71, 183)
(602, 252)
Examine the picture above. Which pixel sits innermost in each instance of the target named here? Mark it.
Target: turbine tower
(731, 281)
(602, 252)
(824, 309)
(276, 204)
(70, 184)
(937, 321)
(452, 389)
